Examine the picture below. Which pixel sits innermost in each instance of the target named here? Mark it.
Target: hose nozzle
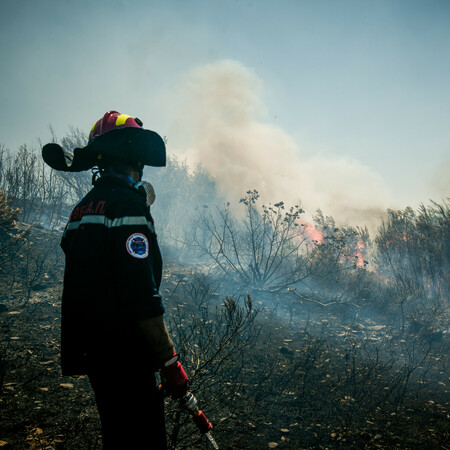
(189, 403)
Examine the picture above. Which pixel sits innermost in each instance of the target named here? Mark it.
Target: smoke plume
(440, 179)
(221, 125)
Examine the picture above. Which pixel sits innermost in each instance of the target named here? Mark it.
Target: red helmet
(113, 120)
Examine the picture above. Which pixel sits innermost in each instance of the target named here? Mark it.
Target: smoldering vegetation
(295, 332)
(222, 121)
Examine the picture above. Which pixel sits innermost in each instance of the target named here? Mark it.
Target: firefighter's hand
(175, 380)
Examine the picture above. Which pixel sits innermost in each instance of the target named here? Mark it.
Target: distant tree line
(403, 270)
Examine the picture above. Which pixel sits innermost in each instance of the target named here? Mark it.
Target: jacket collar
(109, 180)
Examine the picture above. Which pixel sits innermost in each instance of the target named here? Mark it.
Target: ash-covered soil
(318, 385)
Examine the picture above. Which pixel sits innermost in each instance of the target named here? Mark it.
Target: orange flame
(360, 247)
(313, 234)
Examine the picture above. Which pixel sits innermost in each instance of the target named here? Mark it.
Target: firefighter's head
(126, 162)
(116, 141)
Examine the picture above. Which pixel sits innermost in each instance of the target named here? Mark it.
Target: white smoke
(440, 180)
(220, 124)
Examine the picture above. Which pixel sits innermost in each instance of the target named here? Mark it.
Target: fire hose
(175, 381)
(189, 404)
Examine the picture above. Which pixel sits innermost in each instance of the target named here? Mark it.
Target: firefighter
(112, 326)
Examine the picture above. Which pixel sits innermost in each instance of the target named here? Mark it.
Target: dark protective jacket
(111, 280)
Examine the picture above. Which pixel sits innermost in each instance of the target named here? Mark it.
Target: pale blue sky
(368, 80)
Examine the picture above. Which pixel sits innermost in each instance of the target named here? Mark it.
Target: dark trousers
(130, 406)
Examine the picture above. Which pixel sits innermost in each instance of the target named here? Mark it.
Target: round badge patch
(137, 245)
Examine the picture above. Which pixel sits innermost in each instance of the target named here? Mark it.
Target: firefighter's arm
(136, 258)
(156, 334)
(175, 379)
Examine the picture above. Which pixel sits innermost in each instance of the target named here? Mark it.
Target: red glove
(175, 380)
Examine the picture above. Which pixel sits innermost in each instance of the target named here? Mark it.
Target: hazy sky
(365, 84)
